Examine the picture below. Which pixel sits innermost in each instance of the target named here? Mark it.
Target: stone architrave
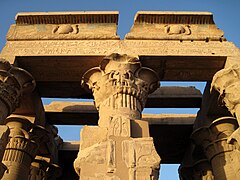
(22, 147)
(14, 82)
(118, 148)
(221, 150)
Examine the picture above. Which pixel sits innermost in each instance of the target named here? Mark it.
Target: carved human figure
(120, 87)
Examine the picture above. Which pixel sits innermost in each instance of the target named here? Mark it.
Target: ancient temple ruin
(79, 55)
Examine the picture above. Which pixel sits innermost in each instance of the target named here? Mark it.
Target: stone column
(227, 83)
(219, 147)
(120, 146)
(195, 166)
(200, 170)
(14, 82)
(41, 168)
(22, 147)
(4, 132)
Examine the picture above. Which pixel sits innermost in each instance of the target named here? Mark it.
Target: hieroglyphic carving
(103, 47)
(103, 153)
(119, 126)
(141, 158)
(14, 82)
(111, 156)
(120, 87)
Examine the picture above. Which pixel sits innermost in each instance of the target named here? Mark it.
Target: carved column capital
(227, 83)
(200, 170)
(42, 168)
(120, 146)
(14, 82)
(220, 149)
(119, 75)
(24, 140)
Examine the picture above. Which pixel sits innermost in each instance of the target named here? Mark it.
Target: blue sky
(226, 16)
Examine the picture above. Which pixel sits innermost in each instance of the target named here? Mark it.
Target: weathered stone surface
(175, 26)
(4, 132)
(166, 46)
(22, 147)
(69, 25)
(220, 148)
(120, 87)
(14, 82)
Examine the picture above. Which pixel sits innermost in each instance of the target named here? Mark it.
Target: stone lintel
(175, 26)
(163, 97)
(82, 113)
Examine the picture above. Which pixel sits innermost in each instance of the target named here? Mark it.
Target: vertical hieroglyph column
(14, 82)
(120, 146)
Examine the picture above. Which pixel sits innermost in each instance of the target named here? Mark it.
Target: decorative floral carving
(14, 82)
(118, 76)
(219, 147)
(24, 140)
(140, 157)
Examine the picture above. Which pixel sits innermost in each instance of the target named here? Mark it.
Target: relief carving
(222, 153)
(121, 75)
(177, 29)
(141, 158)
(65, 29)
(120, 87)
(119, 126)
(22, 147)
